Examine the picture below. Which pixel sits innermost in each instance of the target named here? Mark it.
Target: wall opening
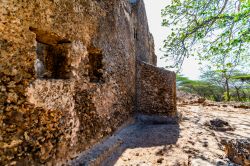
(135, 34)
(95, 67)
(52, 61)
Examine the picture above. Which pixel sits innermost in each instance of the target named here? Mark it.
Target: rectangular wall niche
(95, 67)
(135, 34)
(52, 61)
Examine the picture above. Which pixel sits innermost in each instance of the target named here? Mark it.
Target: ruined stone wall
(67, 72)
(68, 75)
(156, 92)
(144, 40)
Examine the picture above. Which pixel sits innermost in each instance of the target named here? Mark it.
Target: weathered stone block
(156, 90)
(238, 151)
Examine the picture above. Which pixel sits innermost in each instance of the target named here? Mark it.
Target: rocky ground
(201, 138)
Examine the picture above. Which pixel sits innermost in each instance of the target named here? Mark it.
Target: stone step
(103, 150)
(155, 119)
(98, 153)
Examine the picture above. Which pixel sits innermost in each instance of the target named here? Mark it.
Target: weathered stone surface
(68, 75)
(156, 90)
(219, 125)
(144, 39)
(238, 151)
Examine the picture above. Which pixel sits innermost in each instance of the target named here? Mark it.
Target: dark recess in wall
(135, 34)
(52, 61)
(96, 67)
(51, 55)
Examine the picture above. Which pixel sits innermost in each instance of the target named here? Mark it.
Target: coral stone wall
(144, 40)
(156, 90)
(67, 76)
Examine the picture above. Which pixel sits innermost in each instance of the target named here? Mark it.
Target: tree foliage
(211, 87)
(242, 77)
(207, 28)
(235, 85)
(201, 88)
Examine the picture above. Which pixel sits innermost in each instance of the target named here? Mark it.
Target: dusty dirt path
(189, 143)
(156, 140)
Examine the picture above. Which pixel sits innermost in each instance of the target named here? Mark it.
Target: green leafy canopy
(206, 28)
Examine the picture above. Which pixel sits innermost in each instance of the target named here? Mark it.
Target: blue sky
(153, 9)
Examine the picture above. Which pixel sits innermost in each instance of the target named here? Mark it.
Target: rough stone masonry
(71, 73)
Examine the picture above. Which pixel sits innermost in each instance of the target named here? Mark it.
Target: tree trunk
(238, 93)
(244, 95)
(227, 90)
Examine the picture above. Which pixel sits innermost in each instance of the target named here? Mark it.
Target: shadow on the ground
(148, 131)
